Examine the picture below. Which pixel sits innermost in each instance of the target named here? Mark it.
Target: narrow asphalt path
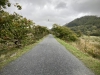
(48, 58)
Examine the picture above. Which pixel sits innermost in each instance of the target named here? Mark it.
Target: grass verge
(90, 62)
(14, 54)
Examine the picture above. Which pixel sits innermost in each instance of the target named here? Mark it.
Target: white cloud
(57, 11)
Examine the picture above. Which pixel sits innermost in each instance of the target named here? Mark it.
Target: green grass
(90, 62)
(14, 54)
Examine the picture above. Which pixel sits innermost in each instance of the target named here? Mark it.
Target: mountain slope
(88, 25)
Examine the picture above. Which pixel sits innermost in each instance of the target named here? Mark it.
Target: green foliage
(18, 6)
(17, 31)
(64, 33)
(5, 3)
(88, 25)
(15, 27)
(40, 31)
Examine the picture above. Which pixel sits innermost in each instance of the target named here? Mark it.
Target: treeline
(88, 25)
(17, 31)
(63, 33)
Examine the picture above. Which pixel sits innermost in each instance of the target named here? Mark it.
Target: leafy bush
(19, 31)
(64, 33)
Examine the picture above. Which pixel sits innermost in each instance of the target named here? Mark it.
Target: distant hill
(88, 25)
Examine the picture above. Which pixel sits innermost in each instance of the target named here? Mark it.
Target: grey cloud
(87, 6)
(34, 2)
(57, 11)
(61, 5)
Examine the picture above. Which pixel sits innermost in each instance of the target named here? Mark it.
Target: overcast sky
(48, 12)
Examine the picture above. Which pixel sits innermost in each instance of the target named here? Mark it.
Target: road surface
(48, 58)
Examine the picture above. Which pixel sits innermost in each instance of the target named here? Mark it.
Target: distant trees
(40, 31)
(88, 25)
(64, 33)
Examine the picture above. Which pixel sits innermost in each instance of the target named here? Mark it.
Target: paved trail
(48, 58)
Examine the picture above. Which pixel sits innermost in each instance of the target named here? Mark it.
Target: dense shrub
(64, 33)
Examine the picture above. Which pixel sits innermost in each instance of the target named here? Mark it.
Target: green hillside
(88, 25)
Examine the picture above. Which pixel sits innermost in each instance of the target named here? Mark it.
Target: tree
(40, 31)
(64, 33)
(5, 3)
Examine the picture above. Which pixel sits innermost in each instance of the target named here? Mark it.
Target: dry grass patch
(88, 44)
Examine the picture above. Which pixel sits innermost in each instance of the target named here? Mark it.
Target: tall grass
(90, 45)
